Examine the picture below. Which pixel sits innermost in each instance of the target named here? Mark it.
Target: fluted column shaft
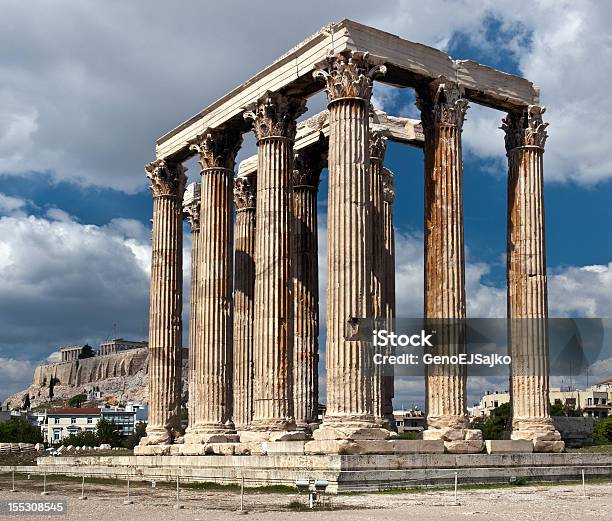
(165, 324)
(527, 282)
(274, 123)
(389, 311)
(213, 357)
(349, 78)
(191, 209)
(244, 291)
(378, 280)
(443, 110)
(307, 168)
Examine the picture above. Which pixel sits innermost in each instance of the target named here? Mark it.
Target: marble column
(442, 112)
(213, 358)
(349, 78)
(166, 303)
(378, 148)
(527, 283)
(274, 124)
(388, 295)
(306, 171)
(191, 210)
(244, 298)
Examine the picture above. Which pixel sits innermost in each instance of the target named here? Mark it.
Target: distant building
(58, 424)
(412, 420)
(70, 353)
(594, 402)
(119, 344)
(61, 423)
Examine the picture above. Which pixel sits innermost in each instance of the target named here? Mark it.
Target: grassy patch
(268, 489)
(297, 506)
(593, 449)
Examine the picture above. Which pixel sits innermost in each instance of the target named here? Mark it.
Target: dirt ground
(105, 501)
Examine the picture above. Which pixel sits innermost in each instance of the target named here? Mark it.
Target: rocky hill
(122, 376)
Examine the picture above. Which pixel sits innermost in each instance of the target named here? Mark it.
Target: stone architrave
(166, 303)
(274, 123)
(378, 148)
(307, 168)
(349, 78)
(244, 298)
(527, 284)
(443, 110)
(191, 210)
(388, 295)
(213, 358)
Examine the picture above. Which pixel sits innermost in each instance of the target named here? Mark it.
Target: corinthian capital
(525, 128)
(441, 102)
(245, 192)
(217, 148)
(348, 74)
(307, 165)
(274, 115)
(378, 145)
(191, 205)
(166, 178)
(388, 180)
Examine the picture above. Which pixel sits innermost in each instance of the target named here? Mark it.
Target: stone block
(254, 436)
(329, 447)
(152, 450)
(284, 447)
(508, 446)
(548, 446)
(352, 433)
(287, 436)
(417, 446)
(464, 446)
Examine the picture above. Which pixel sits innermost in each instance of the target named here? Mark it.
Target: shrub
(81, 439)
(495, 426)
(19, 430)
(602, 432)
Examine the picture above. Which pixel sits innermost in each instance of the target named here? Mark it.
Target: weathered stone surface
(273, 119)
(152, 450)
(464, 446)
(244, 295)
(508, 446)
(283, 436)
(284, 447)
(165, 323)
(417, 446)
(327, 432)
(548, 446)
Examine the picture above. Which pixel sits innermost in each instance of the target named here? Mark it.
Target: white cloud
(14, 375)
(584, 291)
(11, 205)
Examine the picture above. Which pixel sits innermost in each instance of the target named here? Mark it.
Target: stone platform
(345, 473)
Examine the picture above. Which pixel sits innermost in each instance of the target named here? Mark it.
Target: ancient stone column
(213, 358)
(274, 124)
(442, 111)
(166, 303)
(527, 283)
(378, 147)
(349, 77)
(306, 171)
(244, 301)
(389, 313)
(191, 210)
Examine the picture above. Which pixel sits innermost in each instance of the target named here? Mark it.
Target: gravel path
(105, 502)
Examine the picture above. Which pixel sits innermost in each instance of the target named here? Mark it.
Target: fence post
(44, 492)
(178, 505)
(583, 485)
(128, 501)
(13, 489)
(83, 496)
(456, 481)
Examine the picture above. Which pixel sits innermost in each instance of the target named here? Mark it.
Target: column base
(454, 431)
(272, 430)
(540, 431)
(156, 437)
(352, 428)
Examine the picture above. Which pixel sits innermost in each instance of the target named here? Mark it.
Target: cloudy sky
(85, 89)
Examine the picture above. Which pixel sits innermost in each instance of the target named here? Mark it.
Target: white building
(117, 345)
(61, 423)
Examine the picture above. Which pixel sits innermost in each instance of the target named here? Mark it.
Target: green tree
(77, 400)
(52, 384)
(107, 432)
(496, 425)
(86, 352)
(81, 439)
(134, 439)
(602, 432)
(19, 430)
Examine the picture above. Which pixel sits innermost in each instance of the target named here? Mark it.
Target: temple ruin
(254, 310)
